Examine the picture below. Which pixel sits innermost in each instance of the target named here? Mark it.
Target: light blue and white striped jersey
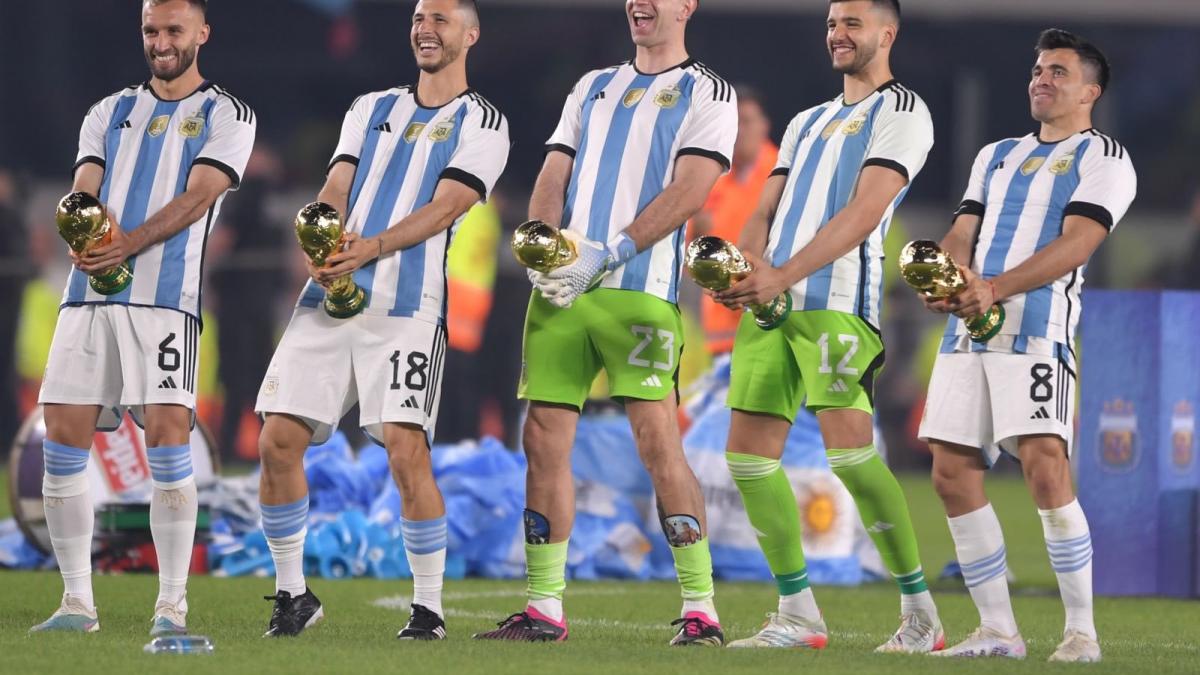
(1023, 189)
(402, 150)
(824, 151)
(625, 129)
(147, 147)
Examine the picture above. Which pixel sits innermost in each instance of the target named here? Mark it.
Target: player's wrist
(621, 249)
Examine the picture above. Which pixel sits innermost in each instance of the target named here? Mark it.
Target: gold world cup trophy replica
(933, 273)
(83, 222)
(542, 247)
(717, 264)
(319, 230)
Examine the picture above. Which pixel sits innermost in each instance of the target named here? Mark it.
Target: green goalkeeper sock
(693, 566)
(771, 506)
(546, 568)
(884, 511)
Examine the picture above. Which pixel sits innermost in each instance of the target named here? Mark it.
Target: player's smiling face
(172, 33)
(655, 22)
(854, 31)
(440, 33)
(1059, 85)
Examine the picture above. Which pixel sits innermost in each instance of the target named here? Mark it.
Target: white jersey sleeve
(974, 199)
(903, 137)
(710, 129)
(482, 151)
(791, 140)
(92, 134)
(567, 134)
(354, 131)
(230, 139)
(1107, 184)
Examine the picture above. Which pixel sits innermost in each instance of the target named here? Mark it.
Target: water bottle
(179, 644)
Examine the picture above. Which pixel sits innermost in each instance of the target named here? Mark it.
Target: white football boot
(920, 632)
(985, 642)
(1076, 647)
(786, 631)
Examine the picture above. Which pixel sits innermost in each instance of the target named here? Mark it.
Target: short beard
(449, 55)
(186, 59)
(862, 56)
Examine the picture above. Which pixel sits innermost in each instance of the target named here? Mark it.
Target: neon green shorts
(822, 358)
(635, 337)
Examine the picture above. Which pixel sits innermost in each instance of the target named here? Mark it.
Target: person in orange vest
(470, 278)
(731, 203)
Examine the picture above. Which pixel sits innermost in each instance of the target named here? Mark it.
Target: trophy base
(775, 313)
(112, 281)
(985, 327)
(344, 308)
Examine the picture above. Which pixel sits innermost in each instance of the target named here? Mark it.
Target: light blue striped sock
(425, 543)
(979, 543)
(170, 466)
(1069, 543)
(284, 526)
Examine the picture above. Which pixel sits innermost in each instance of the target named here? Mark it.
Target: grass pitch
(616, 627)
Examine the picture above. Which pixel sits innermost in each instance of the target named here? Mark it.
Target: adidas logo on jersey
(652, 381)
(838, 387)
(124, 125)
(411, 403)
(168, 383)
(385, 127)
(1041, 414)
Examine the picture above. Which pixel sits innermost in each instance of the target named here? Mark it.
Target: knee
(277, 454)
(168, 428)
(1048, 479)
(949, 485)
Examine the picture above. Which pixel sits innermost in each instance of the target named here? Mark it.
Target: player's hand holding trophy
(320, 232)
(933, 273)
(83, 222)
(717, 264)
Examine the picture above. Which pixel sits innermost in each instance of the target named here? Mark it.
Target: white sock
(284, 527)
(69, 516)
(428, 570)
(288, 554)
(802, 605)
(911, 602)
(1069, 542)
(70, 521)
(979, 543)
(173, 526)
(551, 607)
(706, 607)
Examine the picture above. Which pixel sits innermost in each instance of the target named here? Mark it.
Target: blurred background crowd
(300, 63)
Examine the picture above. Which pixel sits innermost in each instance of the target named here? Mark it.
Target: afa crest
(632, 97)
(855, 125)
(1032, 164)
(1118, 446)
(413, 132)
(1183, 436)
(442, 131)
(1063, 164)
(830, 129)
(193, 126)
(668, 98)
(158, 125)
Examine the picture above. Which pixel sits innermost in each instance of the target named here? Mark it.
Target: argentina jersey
(147, 148)
(401, 151)
(1023, 189)
(625, 129)
(824, 151)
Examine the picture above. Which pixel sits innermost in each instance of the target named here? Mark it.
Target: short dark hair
(201, 5)
(1089, 54)
(892, 6)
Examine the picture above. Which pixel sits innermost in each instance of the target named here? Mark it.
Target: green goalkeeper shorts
(822, 358)
(634, 336)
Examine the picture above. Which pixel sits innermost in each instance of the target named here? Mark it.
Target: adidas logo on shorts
(839, 387)
(168, 383)
(411, 403)
(1041, 414)
(652, 381)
